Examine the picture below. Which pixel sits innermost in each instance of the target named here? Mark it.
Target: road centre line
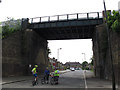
(84, 71)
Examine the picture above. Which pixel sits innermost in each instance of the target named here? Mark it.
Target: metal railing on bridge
(75, 16)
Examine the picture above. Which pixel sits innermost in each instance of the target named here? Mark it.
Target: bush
(113, 21)
(10, 27)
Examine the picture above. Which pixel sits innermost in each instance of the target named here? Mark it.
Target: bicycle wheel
(42, 81)
(33, 83)
(46, 80)
(56, 80)
(52, 81)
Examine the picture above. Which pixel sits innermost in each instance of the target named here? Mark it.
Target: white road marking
(2, 83)
(85, 78)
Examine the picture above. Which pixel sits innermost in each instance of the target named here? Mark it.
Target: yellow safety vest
(34, 70)
(56, 73)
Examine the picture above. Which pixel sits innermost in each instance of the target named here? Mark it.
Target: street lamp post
(109, 46)
(119, 7)
(58, 53)
(84, 57)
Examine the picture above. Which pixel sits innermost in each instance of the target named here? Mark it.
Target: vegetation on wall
(10, 26)
(48, 50)
(114, 20)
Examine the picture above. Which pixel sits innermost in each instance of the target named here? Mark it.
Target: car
(76, 68)
(72, 69)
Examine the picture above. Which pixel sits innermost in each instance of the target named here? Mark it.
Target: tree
(84, 64)
(113, 21)
(91, 61)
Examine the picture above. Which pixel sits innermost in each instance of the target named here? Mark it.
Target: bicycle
(53, 80)
(44, 80)
(35, 82)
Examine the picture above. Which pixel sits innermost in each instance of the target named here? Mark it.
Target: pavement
(94, 82)
(7, 80)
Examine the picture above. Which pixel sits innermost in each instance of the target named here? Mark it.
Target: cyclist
(34, 71)
(46, 74)
(56, 76)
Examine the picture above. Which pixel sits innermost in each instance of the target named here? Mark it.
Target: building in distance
(75, 65)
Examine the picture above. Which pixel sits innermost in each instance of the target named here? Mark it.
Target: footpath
(13, 79)
(94, 82)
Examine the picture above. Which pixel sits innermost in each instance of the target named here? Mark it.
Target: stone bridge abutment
(20, 50)
(102, 61)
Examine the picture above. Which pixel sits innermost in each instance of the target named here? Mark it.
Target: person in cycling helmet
(56, 75)
(46, 74)
(34, 71)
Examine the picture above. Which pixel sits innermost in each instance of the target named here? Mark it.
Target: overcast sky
(71, 49)
(37, 8)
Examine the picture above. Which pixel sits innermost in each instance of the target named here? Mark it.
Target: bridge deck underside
(72, 29)
(66, 33)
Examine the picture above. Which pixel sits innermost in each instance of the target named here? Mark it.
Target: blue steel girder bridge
(68, 26)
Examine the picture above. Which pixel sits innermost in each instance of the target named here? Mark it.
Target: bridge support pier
(102, 62)
(35, 49)
(22, 49)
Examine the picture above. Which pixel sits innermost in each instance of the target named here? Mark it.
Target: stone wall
(102, 61)
(99, 50)
(115, 44)
(11, 55)
(21, 49)
(37, 51)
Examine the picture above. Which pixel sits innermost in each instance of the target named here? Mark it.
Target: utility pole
(119, 7)
(109, 47)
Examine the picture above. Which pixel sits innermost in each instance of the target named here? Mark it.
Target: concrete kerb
(15, 79)
(12, 82)
(3, 83)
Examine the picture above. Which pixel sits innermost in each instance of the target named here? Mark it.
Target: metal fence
(75, 16)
